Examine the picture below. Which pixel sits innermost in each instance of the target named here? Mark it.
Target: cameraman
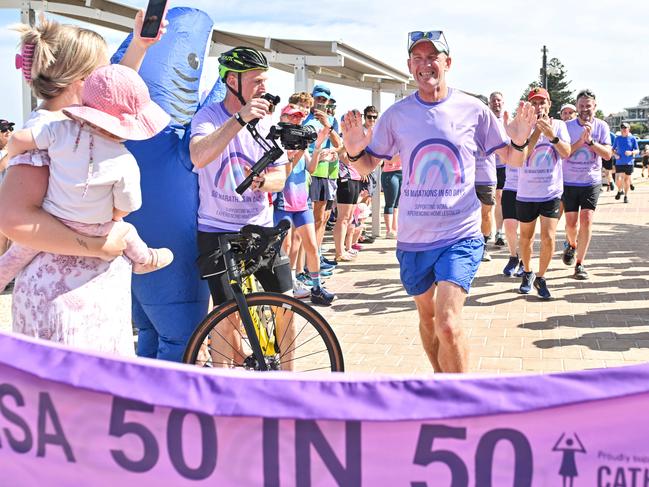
(223, 151)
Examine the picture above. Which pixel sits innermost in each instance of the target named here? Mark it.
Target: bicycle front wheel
(295, 337)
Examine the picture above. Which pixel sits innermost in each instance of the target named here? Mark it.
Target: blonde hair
(301, 98)
(63, 54)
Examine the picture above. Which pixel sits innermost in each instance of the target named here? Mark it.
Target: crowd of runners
(463, 163)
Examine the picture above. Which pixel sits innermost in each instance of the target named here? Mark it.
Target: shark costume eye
(193, 60)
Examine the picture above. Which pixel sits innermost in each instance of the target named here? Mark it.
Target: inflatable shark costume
(169, 303)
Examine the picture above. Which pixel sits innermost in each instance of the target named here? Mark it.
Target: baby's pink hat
(116, 99)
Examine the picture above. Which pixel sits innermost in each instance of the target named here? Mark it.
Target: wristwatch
(555, 140)
(592, 142)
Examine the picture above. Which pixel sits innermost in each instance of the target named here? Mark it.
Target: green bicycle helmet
(239, 60)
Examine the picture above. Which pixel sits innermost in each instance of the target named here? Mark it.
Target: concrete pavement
(602, 322)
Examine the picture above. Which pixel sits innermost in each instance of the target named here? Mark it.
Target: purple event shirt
(437, 143)
(584, 166)
(511, 178)
(540, 178)
(220, 206)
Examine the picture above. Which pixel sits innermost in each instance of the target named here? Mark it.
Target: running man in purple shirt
(582, 178)
(540, 185)
(437, 131)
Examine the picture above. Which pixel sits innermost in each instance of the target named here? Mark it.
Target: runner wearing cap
(540, 184)
(439, 244)
(582, 178)
(568, 112)
(625, 146)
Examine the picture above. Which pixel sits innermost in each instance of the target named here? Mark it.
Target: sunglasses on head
(435, 36)
(371, 117)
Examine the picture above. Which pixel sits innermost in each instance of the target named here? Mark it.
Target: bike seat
(266, 232)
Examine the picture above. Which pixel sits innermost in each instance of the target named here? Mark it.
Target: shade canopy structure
(308, 60)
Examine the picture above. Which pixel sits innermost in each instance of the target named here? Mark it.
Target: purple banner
(74, 418)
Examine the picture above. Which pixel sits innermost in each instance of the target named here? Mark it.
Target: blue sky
(495, 45)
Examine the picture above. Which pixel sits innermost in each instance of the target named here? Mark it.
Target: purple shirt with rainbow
(584, 166)
(511, 178)
(295, 195)
(220, 207)
(485, 167)
(437, 143)
(541, 178)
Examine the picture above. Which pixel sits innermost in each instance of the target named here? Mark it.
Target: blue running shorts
(297, 218)
(457, 263)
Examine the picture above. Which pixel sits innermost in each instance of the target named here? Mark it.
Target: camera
(272, 99)
(293, 137)
(321, 106)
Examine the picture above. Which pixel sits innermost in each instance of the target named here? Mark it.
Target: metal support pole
(301, 81)
(27, 16)
(544, 68)
(376, 198)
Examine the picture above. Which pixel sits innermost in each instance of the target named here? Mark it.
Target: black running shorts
(528, 211)
(584, 197)
(508, 203)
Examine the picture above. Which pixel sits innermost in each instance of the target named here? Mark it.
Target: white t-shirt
(78, 190)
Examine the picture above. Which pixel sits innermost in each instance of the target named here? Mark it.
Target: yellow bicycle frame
(267, 343)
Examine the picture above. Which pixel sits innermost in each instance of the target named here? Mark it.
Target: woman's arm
(23, 220)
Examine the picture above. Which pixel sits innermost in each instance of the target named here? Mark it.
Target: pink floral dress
(78, 301)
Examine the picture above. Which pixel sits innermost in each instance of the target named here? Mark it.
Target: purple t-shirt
(485, 167)
(437, 143)
(540, 178)
(511, 178)
(584, 166)
(220, 207)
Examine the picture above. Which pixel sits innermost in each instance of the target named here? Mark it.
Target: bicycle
(262, 330)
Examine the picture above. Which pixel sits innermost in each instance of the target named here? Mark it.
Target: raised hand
(354, 134)
(520, 127)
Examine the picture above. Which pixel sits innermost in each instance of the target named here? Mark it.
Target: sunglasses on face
(436, 36)
(4, 131)
(371, 117)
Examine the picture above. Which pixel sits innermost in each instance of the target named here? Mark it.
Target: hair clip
(24, 61)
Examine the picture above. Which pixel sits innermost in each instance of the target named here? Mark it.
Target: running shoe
(580, 273)
(344, 258)
(510, 268)
(527, 282)
(301, 290)
(326, 272)
(626, 200)
(521, 270)
(632, 187)
(486, 257)
(610, 185)
(325, 265)
(542, 288)
(304, 277)
(569, 255)
(391, 236)
(324, 260)
(618, 195)
(321, 296)
(500, 241)
(357, 247)
(352, 252)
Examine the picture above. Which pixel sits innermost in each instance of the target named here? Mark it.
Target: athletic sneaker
(301, 290)
(324, 260)
(610, 185)
(618, 195)
(391, 236)
(304, 277)
(326, 266)
(500, 241)
(326, 272)
(569, 255)
(542, 288)
(580, 273)
(357, 246)
(632, 187)
(486, 257)
(322, 296)
(626, 200)
(527, 282)
(521, 270)
(510, 268)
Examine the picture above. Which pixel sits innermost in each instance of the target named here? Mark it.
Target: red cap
(538, 93)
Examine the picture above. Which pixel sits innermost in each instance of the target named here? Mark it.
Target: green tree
(638, 128)
(558, 83)
(600, 114)
(644, 101)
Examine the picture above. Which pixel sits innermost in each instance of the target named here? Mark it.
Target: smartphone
(155, 11)
(321, 106)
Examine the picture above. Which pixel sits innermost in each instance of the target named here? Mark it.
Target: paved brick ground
(602, 322)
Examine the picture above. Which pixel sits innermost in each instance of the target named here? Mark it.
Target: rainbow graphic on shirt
(435, 159)
(231, 172)
(583, 156)
(543, 155)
